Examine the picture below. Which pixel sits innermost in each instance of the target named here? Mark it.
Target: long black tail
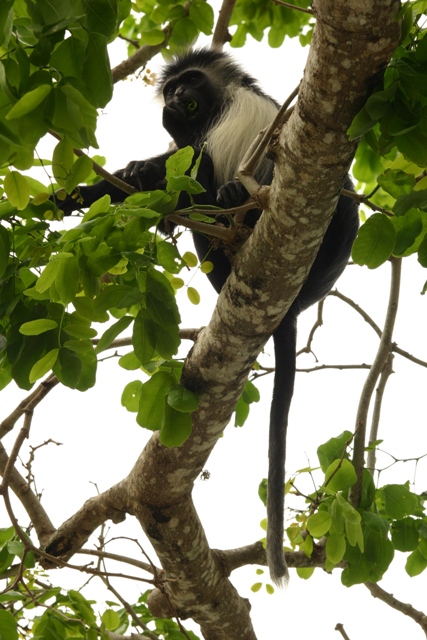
(285, 353)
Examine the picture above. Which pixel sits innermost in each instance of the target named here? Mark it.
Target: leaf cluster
(391, 159)
(59, 287)
(254, 17)
(51, 612)
(390, 518)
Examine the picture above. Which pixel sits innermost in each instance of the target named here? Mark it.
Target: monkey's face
(190, 101)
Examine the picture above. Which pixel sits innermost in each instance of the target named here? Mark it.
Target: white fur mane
(230, 138)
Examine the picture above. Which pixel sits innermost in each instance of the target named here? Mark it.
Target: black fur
(210, 99)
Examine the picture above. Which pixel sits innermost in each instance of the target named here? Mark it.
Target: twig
(293, 6)
(375, 327)
(259, 145)
(28, 404)
(137, 620)
(383, 352)
(38, 516)
(145, 566)
(225, 233)
(408, 610)
(317, 325)
(340, 627)
(22, 435)
(373, 435)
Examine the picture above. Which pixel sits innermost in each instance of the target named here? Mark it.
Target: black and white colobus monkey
(209, 99)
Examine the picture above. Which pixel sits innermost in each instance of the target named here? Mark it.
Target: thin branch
(378, 365)
(375, 327)
(318, 323)
(100, 171)
(259, 145)
(373, 435)
(145, 566)
(221, 33)
(293, 6)
(225, 233)
(361, 199)
(340, 627)
(408, 610)
(38, 516)
(356, 307)
(23, 435)
(28, 404)
(137, 620)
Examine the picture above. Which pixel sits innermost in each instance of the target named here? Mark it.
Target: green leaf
(112, 332)
(4, 249)
(242, 412)
(413, 200)
(144, 337)
(422, 252)
(190, 259)
(182, 399)
(203, 16)
(335, 547)
(408, 228)
(176, 427)
(339, 476)
(67, 279)
(184, 33)
(80, 170)
(96, 68)
(110, 619)
(62, 161)
(179, 162)
(305, 572)
(375, 241)
(396, 182)
(152, 402)
(48, 276)
(44, 365)
(8, 626)
(29, 101)
(250, 393)
(398, 501)
(36, 327)
(256, 586)
(168, 257)
(17, 190)
(319, 523)
(68, 367)
(362, 123)
(193, 295)
(131, 395)
(333, 449)
(404, 534)
(416, 563)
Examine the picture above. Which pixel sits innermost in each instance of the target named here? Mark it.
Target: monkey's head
(196, 87)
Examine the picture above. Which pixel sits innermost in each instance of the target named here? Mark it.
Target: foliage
(391, 159)
(390, 518)
(66, 296)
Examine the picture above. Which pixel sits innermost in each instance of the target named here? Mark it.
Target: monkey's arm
(144, 175)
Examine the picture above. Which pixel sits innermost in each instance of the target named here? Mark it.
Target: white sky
(101, 440)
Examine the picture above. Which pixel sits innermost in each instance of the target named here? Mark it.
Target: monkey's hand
(144, 175)
(232, 194)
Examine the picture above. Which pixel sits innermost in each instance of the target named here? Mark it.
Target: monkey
(213, 105)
